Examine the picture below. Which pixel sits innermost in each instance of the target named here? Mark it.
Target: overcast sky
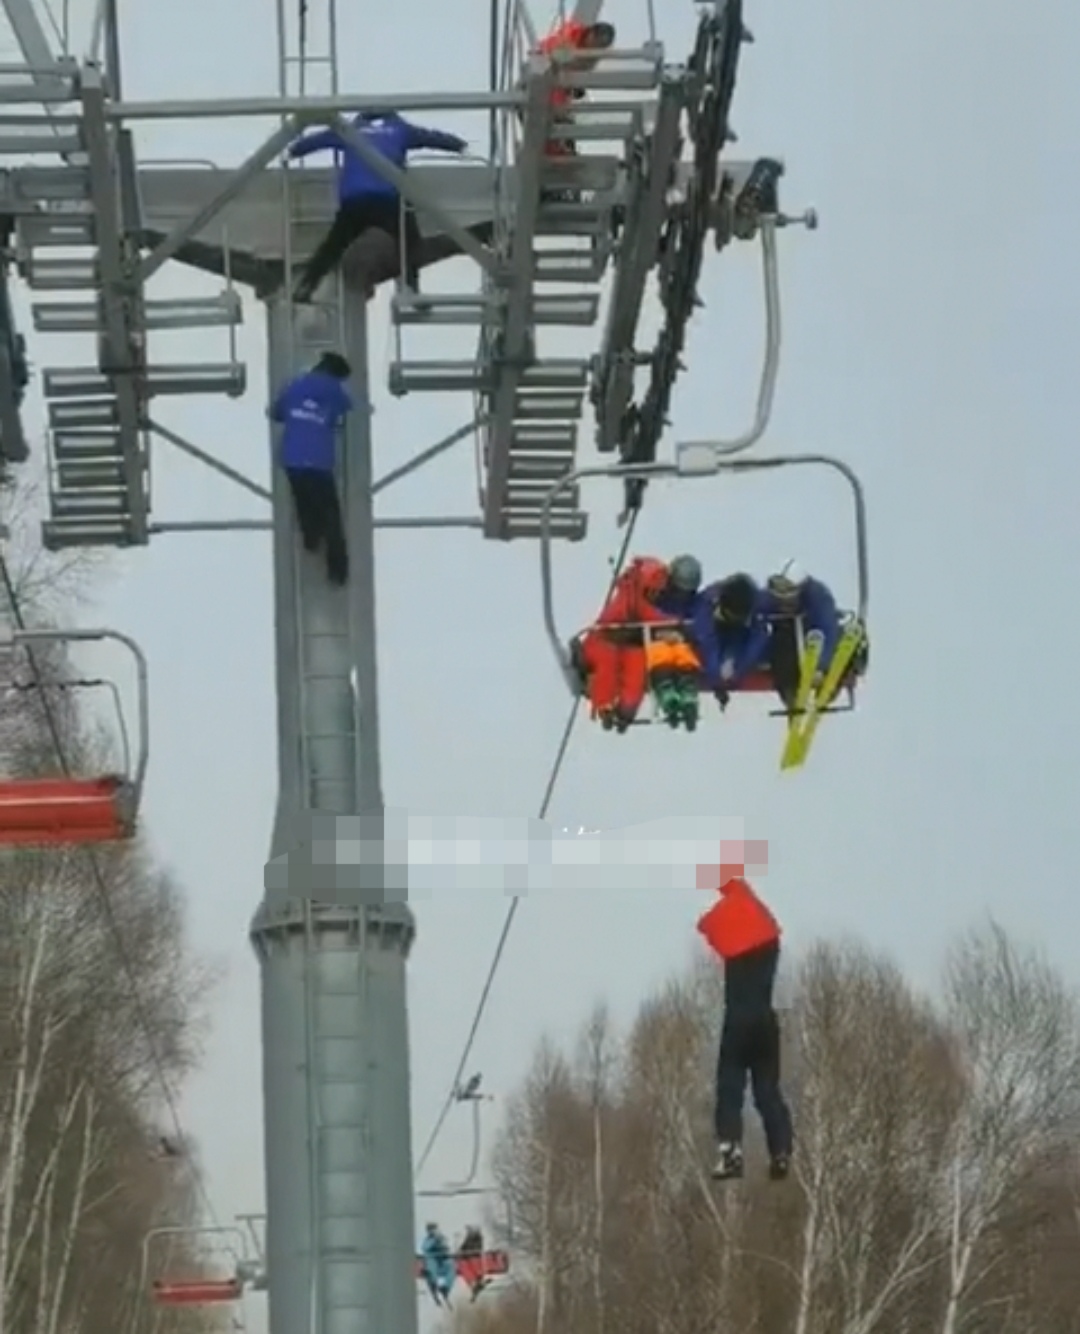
(930, 339)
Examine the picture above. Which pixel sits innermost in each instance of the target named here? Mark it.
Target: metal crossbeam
(41, 64)
(104, 196)
(613, 385)
(310, 110)
(513, 347)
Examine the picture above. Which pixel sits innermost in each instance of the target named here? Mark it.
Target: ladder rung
(49, 184)
(548, 407)
(540, 467)
(559, 436)
(569, 266)
(225, 309)
(88, 382)
(528, 493)
(39, 134)
(563, 308)
(526, 525)
(58, 534)
(57, 229)
(103, 502)
(92, 415)
(93, 446)
(434, 376)
(81, 474)
(46, 273)
(580, 171)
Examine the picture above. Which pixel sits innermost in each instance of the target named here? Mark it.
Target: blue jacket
(817, 607)
(393, 136)
(744, 645)
(311, 408)
(439, 1266)
(675, 602)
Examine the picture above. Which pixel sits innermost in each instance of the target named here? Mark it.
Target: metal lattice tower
(92, 228)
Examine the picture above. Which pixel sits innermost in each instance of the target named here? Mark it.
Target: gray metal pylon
(331, 935)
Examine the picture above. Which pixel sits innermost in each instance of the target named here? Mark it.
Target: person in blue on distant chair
(311, 409)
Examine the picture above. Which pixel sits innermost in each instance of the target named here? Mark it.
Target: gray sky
(930, 337)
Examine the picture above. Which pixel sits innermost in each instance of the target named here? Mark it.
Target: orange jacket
(567, 36)
(739, 922)
(632, 597)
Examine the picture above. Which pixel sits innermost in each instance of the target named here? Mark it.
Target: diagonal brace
(237, 181)
(408, 190)
(211, 462)
(426, 455)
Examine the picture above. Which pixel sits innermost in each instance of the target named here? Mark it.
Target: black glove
(722, 697)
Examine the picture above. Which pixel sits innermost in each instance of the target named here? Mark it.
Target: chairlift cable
(515, 902)
(103, 894)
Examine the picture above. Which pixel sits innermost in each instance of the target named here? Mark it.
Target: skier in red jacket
(746, 936)
(611, 655)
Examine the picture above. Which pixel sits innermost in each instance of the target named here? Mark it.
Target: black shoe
(779, 1167)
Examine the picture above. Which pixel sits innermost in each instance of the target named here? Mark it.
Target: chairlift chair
(708, 459)
(76, 810)
(197, 1289)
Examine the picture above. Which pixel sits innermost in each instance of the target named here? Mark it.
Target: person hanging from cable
(610, 656)
(796, 604)
(437, 1264)
(746, 936)
(311, 409)
(731, 631)
(571, 35)
(366, 200)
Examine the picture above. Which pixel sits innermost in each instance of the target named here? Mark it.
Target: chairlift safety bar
(699, 458)
(9, 637)
(177, 1231)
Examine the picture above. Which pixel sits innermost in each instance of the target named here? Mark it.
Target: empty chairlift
(208, 1285)
(71, 809)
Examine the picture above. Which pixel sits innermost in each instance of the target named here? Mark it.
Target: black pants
(318, 512)
(352, 220)
(750, 1047)
(784, 661)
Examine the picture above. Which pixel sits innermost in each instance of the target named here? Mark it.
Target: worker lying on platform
(571, 35)
(731, 631)
(311, 408)
(796, 605)
(439, 1269)
(367, 200)
(611, 654)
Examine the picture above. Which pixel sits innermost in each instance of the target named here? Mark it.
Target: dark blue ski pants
(750, 1049)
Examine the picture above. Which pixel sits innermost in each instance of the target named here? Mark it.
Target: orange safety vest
(568, 35)
(739, 922)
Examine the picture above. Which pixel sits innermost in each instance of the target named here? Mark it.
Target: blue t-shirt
(311, 408)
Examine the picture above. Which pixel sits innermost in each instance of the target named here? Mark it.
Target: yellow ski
(848, 646)
(808, 665)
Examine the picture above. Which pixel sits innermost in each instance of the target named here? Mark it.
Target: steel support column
(332, 941)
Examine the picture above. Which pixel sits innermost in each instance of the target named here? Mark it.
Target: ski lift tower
(648, 185)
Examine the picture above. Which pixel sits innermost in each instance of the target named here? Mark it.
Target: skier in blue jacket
(439, 1269)
(793, 597)
(731, 633)
(367, 200)
(311, 408)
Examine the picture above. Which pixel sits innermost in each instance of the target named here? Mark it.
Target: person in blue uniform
(310, 410)
(437, 1264)
(794, 600)
(367, 200)
(731, 633)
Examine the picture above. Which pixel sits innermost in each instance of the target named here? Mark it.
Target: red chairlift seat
(68, 811)
(491, 1264)
(196, 1291)
(61, 812)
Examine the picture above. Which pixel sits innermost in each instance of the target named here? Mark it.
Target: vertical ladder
(97, 450)
(554, 231)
